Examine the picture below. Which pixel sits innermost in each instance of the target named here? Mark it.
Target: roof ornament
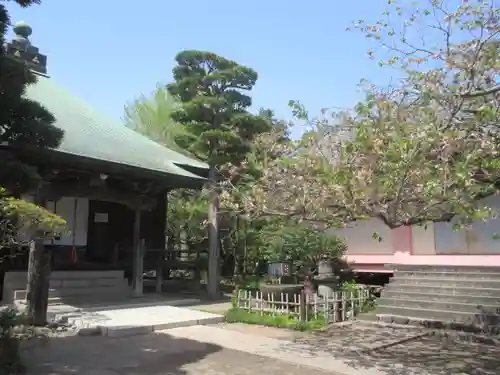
(21, 48)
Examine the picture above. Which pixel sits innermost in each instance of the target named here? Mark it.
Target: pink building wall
(436, 244)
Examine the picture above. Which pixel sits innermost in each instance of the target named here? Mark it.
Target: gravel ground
(367, 348)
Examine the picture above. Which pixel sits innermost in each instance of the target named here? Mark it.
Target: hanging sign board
(101, 217)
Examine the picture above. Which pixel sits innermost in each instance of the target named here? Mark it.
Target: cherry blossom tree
(425, 149)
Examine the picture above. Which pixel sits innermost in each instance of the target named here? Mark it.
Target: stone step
(78, 291)
(445, 282)
(435, 325)
(21, 276)
(443, 290)
(444, 318)
(88, 283)
(441, 305)
(465, 298)
(424, 274)
(52, 301)
(431, 268)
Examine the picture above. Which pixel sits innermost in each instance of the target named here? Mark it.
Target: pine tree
(212, 91)
(24, 124)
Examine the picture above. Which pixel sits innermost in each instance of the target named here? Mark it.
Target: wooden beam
(134, 201)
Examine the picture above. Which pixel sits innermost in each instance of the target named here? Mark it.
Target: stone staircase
(67, 285)
(464, 298)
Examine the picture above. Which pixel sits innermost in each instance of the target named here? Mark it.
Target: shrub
(356, 289)
(303, 245)
(236, 315)
(10, 360)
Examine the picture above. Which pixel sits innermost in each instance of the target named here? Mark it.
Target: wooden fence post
(303, 305)
(338, 306)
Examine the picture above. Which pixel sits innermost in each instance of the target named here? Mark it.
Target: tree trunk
(39, 267)
(213, 237)
(237, 253)
(37, 295)
(244, 271)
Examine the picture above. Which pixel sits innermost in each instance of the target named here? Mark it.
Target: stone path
(153, 354)
(360, 350)
(287, 351)
(241, 349)
(419, 355)
(359, 337)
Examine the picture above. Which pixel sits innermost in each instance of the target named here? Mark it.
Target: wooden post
(159, 271)
(303, 306)
(39, 267)
(138, 265)
(213, 237)
(339, 305)
(163, 253)
(168, 253)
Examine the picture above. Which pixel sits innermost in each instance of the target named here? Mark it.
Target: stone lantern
(326, 279)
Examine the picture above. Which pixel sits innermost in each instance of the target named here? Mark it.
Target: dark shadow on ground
(152, 354)
(365, 348)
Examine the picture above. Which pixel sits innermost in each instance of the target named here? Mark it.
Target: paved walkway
(237, 349)
(359, 350)
(269, 347)
(153, 354)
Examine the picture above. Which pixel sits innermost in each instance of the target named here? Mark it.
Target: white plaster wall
(359, 237)
(474, 241)
(65, 207)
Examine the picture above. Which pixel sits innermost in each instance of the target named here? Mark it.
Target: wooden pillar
(213, 237)
(162, 254)
(139, 245)
(159, 271)
(213, 250)
(39, 268)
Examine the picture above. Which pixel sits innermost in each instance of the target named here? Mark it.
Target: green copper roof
(91, 134)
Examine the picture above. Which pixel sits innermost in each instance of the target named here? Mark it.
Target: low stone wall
(17, 280)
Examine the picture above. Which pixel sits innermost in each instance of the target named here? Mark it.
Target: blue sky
(110, 51)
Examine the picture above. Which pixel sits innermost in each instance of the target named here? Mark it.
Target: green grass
(236, 315)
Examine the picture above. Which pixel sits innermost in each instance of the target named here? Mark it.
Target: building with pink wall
(436, 244)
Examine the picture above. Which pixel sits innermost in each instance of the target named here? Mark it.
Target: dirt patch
(263, 331)
(214, 308)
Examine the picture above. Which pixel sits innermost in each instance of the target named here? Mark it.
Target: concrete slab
(142, 320)
(104, 304)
